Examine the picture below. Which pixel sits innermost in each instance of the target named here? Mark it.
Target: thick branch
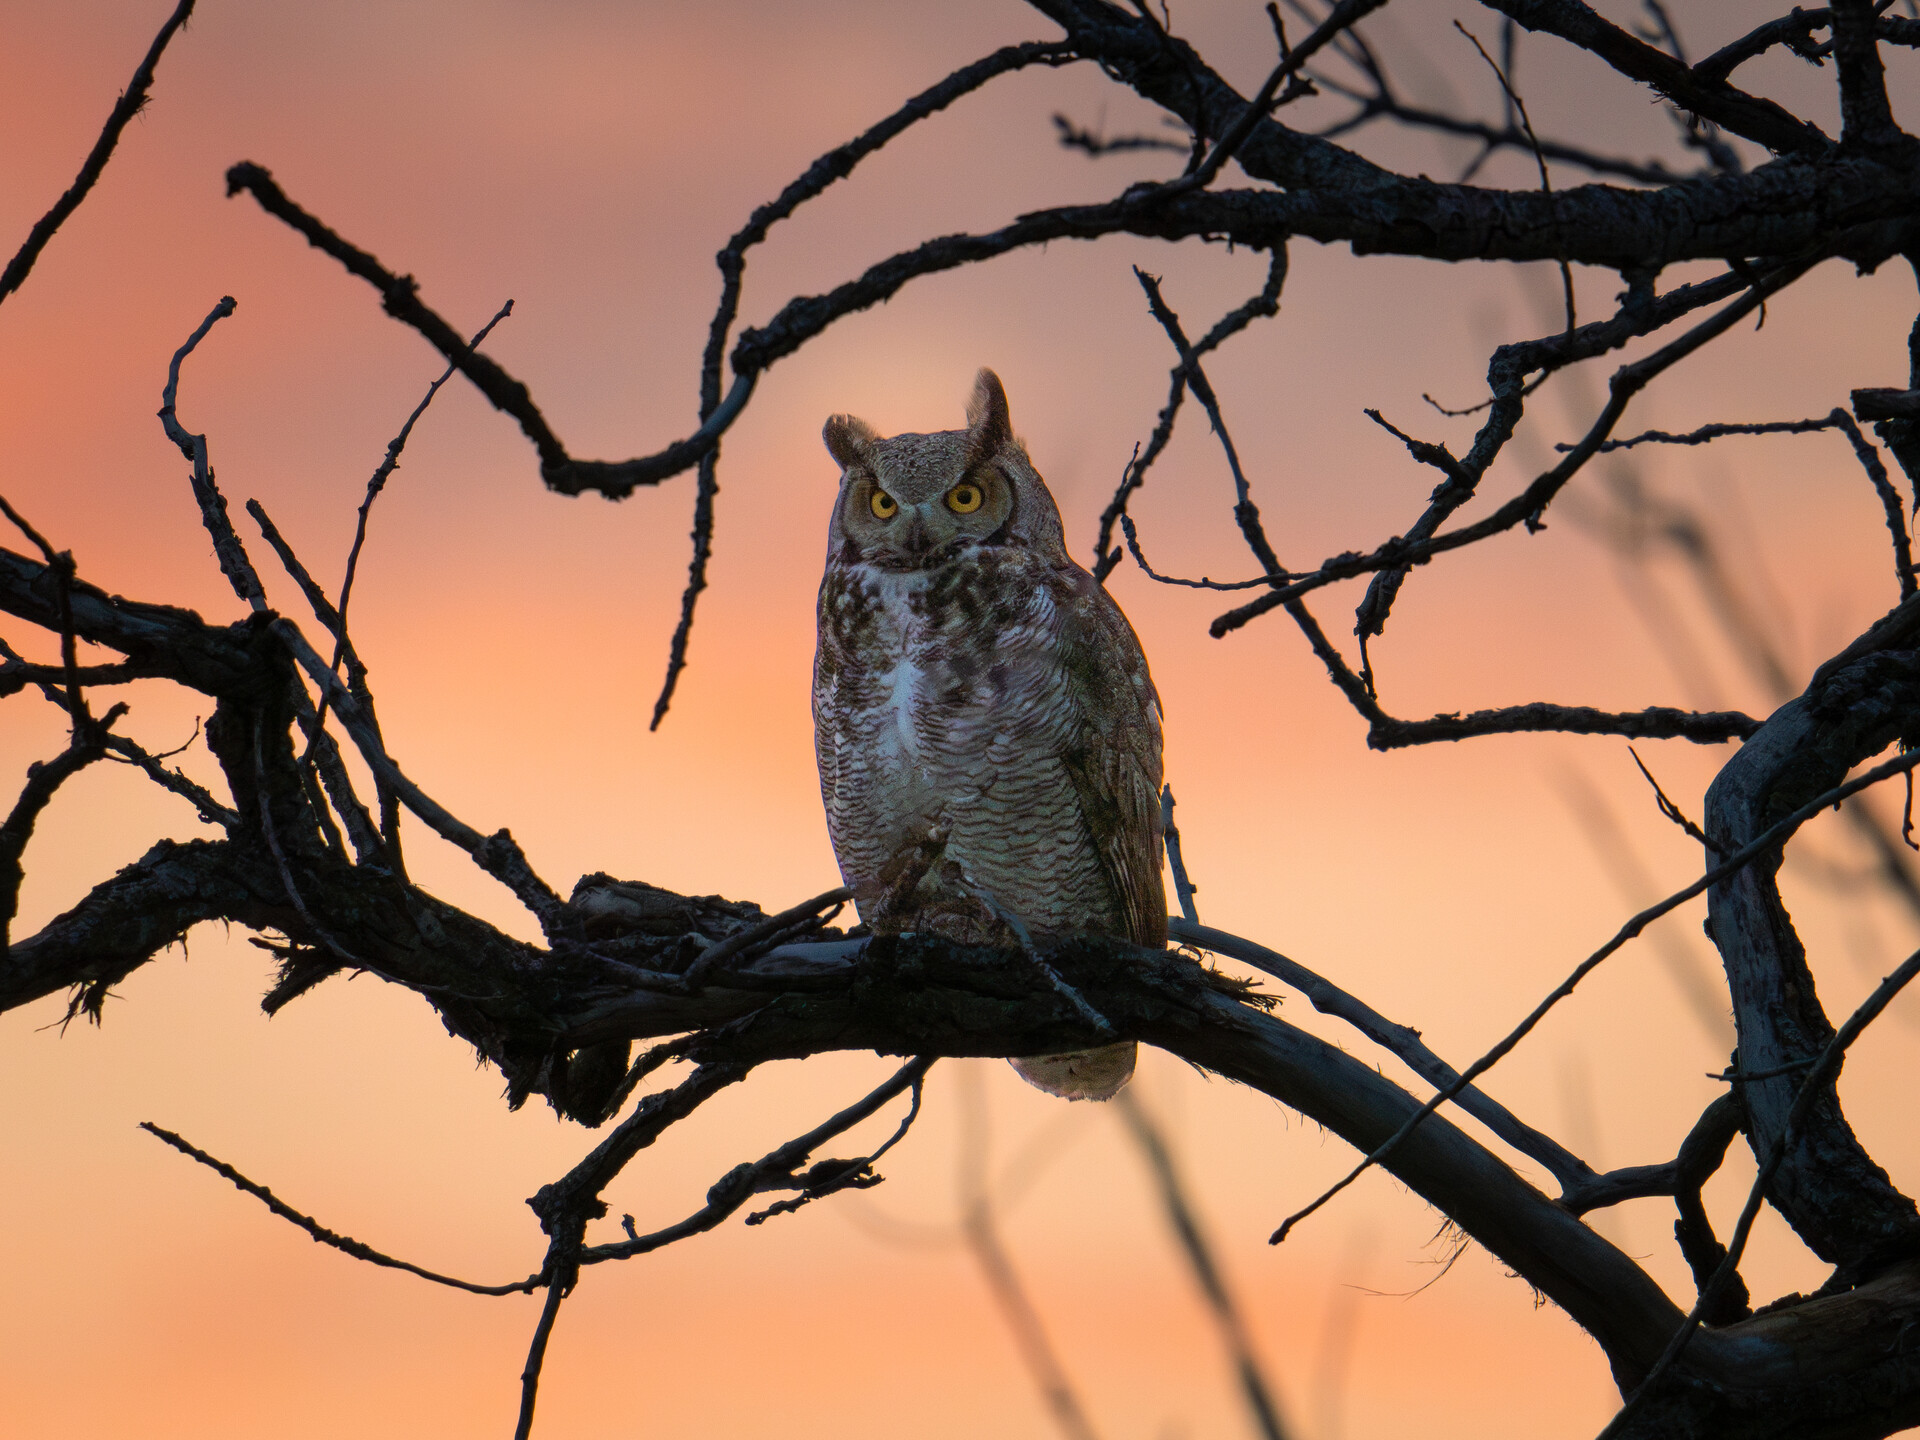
(126, 921)
(1828, 1187)
(1866, 118)
(159, 640)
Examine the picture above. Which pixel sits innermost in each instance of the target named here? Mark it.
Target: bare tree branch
(725, 986)
(1759, 120)
(1825, 1069)
(345, 1244)
(1527, 507)
(1794, 30)
(1774, 836)
(1567, 1168)
(131, 102)
(1254, 1384)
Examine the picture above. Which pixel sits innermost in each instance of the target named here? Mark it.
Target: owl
(987, 731)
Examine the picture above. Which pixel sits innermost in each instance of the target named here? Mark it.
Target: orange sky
(586, 159)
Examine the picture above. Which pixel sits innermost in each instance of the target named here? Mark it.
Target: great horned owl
(988, 735)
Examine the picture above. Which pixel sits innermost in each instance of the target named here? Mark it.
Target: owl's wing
(1114, 758)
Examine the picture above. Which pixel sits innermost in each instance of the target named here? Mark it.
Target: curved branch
(43, 779)
(343, 1243)
(1599, 1287)
(1828, 1188)
(926, 996)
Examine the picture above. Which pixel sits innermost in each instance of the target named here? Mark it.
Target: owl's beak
(916, 538)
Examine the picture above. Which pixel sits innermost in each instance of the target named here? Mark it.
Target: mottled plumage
(988, 734)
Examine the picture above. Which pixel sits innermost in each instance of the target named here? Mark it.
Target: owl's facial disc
(912, 526)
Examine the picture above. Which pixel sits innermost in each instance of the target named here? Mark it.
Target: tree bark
(1828, 1188)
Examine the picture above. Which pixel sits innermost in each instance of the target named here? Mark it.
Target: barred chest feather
(943, 714)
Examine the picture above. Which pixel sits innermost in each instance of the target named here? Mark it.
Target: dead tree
(317, 871)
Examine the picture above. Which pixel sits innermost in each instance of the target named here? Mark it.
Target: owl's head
(909, 502)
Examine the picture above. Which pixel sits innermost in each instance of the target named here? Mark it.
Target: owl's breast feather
(935, 668)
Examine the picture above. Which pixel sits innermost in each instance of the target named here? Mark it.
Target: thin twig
(1771, 838)
(119, 748)
(319, 1232)
(709, 960)
(1402, 1040)
(1245, 513)
(835, 165)
(61, 564)
(1870, 461)
(1527, 507)
(391, 460)
(196, 795)
(1203, 583)
(1254, 1385)
(43, 779)
(131, 102)
(1519, 107)
(1386, 105)
(832, 1176)
(227, 548)
(1667, 807)
(378, 482)
(708, 487)
(1263, 304)
(1713, 432)
(1183, 887)
(777, 1170)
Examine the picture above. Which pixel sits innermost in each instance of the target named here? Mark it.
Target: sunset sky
(586, 158)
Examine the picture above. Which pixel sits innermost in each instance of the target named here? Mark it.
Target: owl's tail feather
(1080, 1074)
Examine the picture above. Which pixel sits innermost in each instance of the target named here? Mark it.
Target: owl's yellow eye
(883, 505)
(964, 498)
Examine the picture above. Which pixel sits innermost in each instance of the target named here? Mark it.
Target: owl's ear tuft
(988, 425)
(849, 440)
